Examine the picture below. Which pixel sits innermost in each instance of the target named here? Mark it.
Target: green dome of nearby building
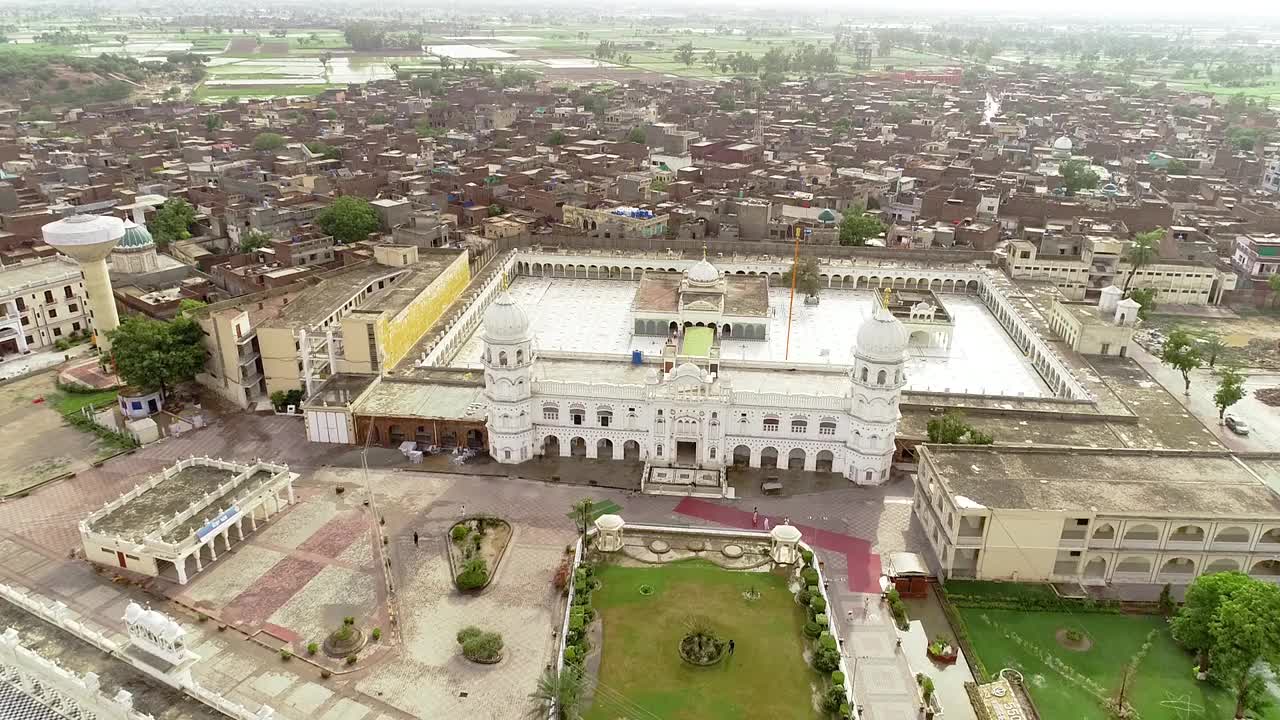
(826, 216)
(136, 236)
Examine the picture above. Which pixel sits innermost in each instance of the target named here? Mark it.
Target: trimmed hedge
(1022, 597)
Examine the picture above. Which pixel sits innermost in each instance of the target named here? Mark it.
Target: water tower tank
(88, 239)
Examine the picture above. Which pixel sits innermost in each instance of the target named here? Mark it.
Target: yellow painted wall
(1022, 544)
(279, 359)
(397, 335)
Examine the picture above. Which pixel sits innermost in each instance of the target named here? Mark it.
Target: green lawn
(766, 679)
(67, 403)
(1026, 641)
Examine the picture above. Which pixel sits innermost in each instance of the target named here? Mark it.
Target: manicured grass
(604, 507)
(67, 403)
(1026, 642)
(766, 679)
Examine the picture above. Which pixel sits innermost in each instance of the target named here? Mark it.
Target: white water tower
(88, 239)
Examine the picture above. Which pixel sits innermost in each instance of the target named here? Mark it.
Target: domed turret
(703, 273)
(135, 236)
(882, 337)
(505, 321)
(1063, 146)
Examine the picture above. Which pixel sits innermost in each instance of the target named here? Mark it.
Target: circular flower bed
(346, 640)
(701, 645)
(479, 646)
(646, 590)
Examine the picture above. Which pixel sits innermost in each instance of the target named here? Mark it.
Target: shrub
(1075, 635)
(821, 619)
(474, 574)
(485, 647)
(926, 686)
(837, 678)
(285, 655)
(376, 634)
(467, 633)
(459, 533)
(803, 596)
(812, 630)
(818, 604)
(807, 556)
(313, 648)
(826, 640)
(351, 659)
(810, 576)
(349, 620)
(571, 654)
(833, 699)
(202, 618)
(826, 660)
(326, 674)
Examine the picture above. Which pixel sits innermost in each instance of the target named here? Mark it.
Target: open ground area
(38, 443)
(981, 360)
(766, 677)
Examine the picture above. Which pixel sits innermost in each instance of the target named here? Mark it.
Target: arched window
(864, 374)
(880, 376)
(659, 451)
(502, 358)
(713, 453)
(827, 427)
(771, 424)
(550, 412)
(520, 357)
(605, 417)
(799, 426)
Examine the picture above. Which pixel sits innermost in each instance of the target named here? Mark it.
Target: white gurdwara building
(686, 412)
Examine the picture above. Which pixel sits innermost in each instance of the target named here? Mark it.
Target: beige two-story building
(1097, 516)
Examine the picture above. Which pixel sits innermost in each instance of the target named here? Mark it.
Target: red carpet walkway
(864, 565)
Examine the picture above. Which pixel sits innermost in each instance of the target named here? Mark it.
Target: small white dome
(703, 273)
(882, 337)
(1063, 143)
(505, 321)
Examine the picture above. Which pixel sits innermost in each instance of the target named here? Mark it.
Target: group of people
(755, 519)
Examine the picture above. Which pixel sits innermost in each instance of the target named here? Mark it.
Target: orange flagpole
(791, 306)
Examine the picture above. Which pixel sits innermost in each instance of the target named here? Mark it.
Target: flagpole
(791, 306)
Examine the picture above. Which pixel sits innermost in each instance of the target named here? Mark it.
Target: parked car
(1237, 426)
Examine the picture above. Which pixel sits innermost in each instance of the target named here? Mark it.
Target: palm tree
(1211, 345)
(561, 691)
(583, 513)
(1143, 250)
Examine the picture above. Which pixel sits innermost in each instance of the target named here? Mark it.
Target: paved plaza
(981, 360)
(317, 561)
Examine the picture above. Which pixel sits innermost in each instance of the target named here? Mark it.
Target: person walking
(730, 648)
(766, 524)
(786, 519)
(755, 516)
(415, 538)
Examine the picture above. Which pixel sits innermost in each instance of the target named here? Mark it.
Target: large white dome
(703, 273)
(882, 337)
(1063, 144)
(505, 321)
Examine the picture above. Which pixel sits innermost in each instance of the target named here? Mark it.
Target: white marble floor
(593, 316)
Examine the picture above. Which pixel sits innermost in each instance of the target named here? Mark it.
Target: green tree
(1176, 167)
(583, 513)
(561, 691)
(636, 136)
(186, 306)
(172, 222)
(858, 227)
(155, 355)
(557, 137)
(1077, 176)
(1211, 344)
(348, 219)
(1192, 626)
(1246, 639)
(212, 121)
(951, 429)
(807, 278)
(253, 240)
(379, 118)
(1273, 283)
(1146, 299)
(1144, 249)
(324, 150)
(684, 54)
(268, 142)
(1230, 390)
(1181, 354)
(495, 210)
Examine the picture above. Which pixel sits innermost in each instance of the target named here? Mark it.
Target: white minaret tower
(508, 370)
(877, 378)
(89, 239)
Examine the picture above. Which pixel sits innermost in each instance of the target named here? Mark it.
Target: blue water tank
(637, 357)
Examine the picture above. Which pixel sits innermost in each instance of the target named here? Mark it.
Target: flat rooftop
(421, 274)
(981, 360)
(1134, 482)
(148, 511)
(412, 398)
(48, 270)
(314, 304)
(71, 653)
